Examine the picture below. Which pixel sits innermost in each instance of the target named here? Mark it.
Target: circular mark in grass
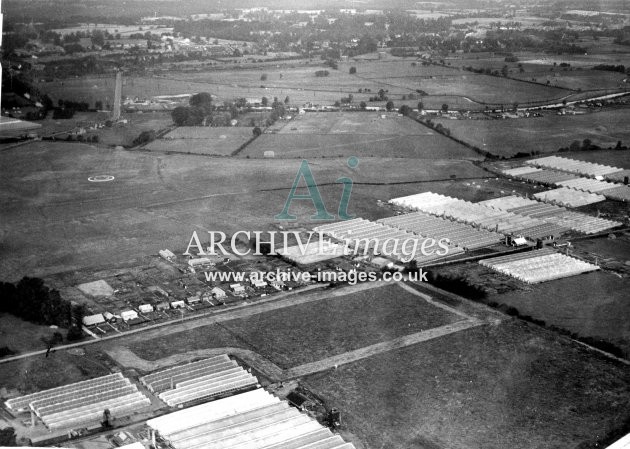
(101, 178)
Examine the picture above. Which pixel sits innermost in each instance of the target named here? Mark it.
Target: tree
(587, 144)
(8, 437)
(264, 101)
(195, 116)
(263, 77)
(353, 70)
(389, 105)
(363, 105)
(404, 110)
(445, 107)
(98, 105)
(202, 100)
(575, 146)
(420, 106)
(144, 137)
(74, 333)
(98, 38)
(286, 100)
(180, 115)
(257, 131)
(504, 70)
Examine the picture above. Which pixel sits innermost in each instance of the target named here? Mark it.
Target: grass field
(226, 85)
(59, 368)
(219, 141)
(544, 134)
(361, 134)
(600, 314)
(120, 134)
(613, 158)
(574, 79)
(490, 387)
(156, 200)
(437, 80)
(297, 80)
(320, 329)
(23, 336)
(337, 325)
(480, 88)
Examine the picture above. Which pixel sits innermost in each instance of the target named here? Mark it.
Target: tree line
(32, 301)
(201, 111)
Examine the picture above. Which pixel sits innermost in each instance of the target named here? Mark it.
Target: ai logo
(315, 197)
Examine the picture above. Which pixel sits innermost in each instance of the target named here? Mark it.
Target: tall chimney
(117, 96)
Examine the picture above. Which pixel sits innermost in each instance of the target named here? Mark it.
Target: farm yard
(542, 134)
(204, 140)
(361, 134)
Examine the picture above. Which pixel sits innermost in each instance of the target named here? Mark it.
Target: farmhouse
(237, 289)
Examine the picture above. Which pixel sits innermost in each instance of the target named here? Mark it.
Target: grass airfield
(54, 219)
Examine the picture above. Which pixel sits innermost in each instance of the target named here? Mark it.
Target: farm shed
(146, 308)
(259, 283)
(162, 306)
(128, 315)
(167, 254)
(193, 263)
(93, 320)
(218, 292)
(193, 299)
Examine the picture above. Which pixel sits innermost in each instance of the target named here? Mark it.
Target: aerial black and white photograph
(315, 224)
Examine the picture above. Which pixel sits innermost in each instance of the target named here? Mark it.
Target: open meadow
(156, 200)
(331, 326)
(205, 140)
(599, 314)
(298, 81)
(543, 134)
(438, 80)
(495, 386)
(361, 134)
